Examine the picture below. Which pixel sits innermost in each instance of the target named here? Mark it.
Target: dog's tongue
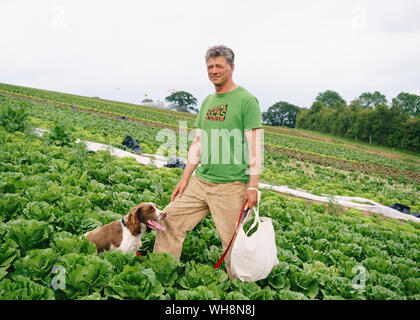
(155, 225)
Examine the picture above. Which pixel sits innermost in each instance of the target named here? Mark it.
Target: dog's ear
(133, 220)
(138, 213)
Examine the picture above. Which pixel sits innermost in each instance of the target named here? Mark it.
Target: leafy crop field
(53, 190)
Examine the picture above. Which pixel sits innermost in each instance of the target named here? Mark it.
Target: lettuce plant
(134, 283)
(22, 288)
(85, 274)
(29, 234)
(37, 265)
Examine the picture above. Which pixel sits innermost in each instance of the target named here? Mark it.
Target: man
(228, 144)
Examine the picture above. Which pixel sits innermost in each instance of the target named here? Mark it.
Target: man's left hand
(251, 196)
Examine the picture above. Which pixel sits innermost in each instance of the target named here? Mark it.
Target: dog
(125, 234)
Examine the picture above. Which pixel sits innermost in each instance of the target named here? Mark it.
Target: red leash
(139, 255)
(244, 209)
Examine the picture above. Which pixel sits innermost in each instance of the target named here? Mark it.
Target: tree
(303, 119)
(398, 118)
(182, 101)
(330, 98)
(381, 124)
(364, 125)
(390, 126)
(409, 102)
(340, 120)
(411, 137)
(317, 106)
(281, 114)
(353, 123)
(369, 100)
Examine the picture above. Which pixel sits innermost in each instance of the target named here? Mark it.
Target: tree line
(369, 118)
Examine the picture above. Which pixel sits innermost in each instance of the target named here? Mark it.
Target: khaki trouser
(223, 200)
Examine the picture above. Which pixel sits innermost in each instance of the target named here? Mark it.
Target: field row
(273, 136)
(279, 168)
(53, 191)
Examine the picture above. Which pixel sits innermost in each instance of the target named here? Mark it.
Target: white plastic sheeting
(349, 202)
(145, 159)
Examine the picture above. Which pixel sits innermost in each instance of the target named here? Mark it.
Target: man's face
(219, 71)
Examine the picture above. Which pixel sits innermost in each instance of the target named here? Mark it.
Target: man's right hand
(179, 189)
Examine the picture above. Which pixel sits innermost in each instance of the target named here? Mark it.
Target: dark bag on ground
(400, 207)
(132, 144)
(175, 162)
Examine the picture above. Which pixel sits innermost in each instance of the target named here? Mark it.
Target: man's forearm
(253, 181)
(194, 154)
(253, 138)
(188, 170)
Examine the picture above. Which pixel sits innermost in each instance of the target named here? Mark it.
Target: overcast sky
(285, 51)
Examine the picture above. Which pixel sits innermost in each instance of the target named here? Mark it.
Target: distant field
(54, 192)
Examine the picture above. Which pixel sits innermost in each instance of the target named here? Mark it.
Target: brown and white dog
(125, 234)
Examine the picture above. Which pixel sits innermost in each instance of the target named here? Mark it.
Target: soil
(361, 166)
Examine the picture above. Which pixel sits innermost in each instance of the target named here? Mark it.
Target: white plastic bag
(253, 257)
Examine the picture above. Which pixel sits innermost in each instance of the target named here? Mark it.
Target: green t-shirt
(222, 120)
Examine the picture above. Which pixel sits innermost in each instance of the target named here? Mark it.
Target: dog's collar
(123, 221)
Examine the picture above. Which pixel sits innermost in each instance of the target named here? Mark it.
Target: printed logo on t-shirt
(217, 113)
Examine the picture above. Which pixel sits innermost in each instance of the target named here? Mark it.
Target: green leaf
(199, 274)
(304, 282)
(84, 274)
(3, 273)
(30, 234)
(277, 278)
(290, 295)
(8, 252)
(381, 293)
(37, 264)
(75, 244)
(22, 288)
(248, 289)
(412, 286)
(14, 118)
(41, 211)
(165, 266)
(93, 296)
(11, 205)
(134, 283)
(119, 260)
(199, 293)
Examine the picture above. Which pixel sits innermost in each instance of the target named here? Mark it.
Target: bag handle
(246, 218)
(244, 210)
(256, 211)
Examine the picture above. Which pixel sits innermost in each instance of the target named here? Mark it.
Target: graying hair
(220, 50)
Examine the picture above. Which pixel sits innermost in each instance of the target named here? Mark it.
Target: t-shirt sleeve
(251, 114)
(197, 122)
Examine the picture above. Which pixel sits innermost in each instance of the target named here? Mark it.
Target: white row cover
(349, 202)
